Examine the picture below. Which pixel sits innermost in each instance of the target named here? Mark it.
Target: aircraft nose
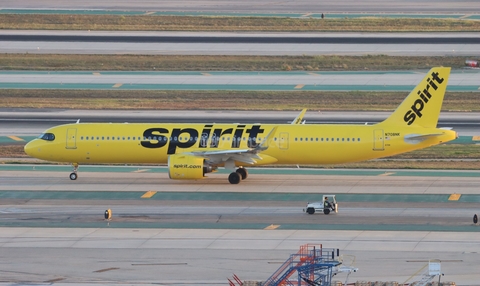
(30, 148)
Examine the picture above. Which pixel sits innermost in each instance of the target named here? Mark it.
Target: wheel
(243, 173)
(475, 219)
(326, 211)
(234, 178)
(310, 211)
(73, 176)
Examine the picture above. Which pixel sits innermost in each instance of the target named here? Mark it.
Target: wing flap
(248, 156)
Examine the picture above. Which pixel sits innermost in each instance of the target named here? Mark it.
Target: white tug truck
(327, 205)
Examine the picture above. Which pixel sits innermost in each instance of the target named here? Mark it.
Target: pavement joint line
(118, 85)
(148, 194)
(13, 137)
(106, 269)
(454, 197)
(54, 280)
(272, 227)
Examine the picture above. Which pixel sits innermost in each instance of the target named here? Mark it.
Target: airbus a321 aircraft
(193, 150)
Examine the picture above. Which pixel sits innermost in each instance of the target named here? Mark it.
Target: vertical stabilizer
(422, 106)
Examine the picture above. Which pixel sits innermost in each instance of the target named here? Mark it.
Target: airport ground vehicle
(326, 205)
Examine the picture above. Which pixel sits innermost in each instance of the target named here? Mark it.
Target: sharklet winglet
(264, 145)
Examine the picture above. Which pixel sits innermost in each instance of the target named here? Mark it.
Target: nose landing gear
(73, 175)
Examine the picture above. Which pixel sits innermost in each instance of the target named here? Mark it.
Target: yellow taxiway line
(148, 194)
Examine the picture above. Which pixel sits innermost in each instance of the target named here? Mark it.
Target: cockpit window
(47, 136)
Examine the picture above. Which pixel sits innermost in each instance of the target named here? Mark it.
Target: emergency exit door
(71, 138)
(283, 141)
(378, 140)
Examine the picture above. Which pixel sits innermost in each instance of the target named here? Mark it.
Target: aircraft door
(71, 138)
(283, 141)
(378, 140)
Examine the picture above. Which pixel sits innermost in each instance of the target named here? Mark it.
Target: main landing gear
(73, 175)
(237, 176)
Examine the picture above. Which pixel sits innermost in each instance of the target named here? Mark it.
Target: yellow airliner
(193, 150)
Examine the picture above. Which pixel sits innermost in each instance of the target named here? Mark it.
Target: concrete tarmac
(199, 47)
(459, 80)
(106, 256)
(44, 243)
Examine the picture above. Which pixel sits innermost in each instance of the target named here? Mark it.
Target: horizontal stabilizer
(417, 138)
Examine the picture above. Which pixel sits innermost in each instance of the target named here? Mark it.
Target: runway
(199, 233)
(235, 38)
(196, 43)
(465, 80)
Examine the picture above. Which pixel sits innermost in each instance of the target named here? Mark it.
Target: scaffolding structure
(434, 269)
(311, 265)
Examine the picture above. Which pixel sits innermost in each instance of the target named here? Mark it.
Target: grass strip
(224, 23)
(215, 100)
(52, 62)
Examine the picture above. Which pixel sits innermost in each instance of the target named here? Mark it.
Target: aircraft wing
(248, 155)
(219, 156)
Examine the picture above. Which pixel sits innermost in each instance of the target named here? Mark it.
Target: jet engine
(187, 167)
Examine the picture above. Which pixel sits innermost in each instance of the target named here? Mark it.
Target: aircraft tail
(422, 106)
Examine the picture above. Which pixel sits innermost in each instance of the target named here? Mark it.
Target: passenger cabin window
(47, 136)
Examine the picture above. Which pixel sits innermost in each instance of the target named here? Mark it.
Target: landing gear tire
(234, 178)
(243, 173)
(73, 175)
(310, 211)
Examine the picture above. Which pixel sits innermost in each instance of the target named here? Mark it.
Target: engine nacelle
(187, 167)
